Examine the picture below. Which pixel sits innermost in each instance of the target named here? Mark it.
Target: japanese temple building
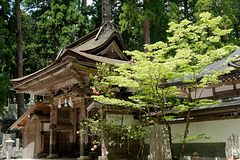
(51, 127)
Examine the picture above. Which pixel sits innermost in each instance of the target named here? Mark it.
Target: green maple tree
(150, 75)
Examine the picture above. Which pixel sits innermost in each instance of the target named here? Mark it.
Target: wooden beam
(53, 79)
(83, 68)
(21, 125)
(53, 85)
(40, 73)
(212, 111)
(64, 127)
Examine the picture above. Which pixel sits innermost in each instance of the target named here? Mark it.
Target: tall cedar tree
(146, 25)
(20, 97)
(135, 19)
(106, 10)
(48, 27)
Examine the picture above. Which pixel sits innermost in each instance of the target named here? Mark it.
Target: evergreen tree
(229, 10)
(7, 48)
(95, 12)
(48, 27)
(132, 17)
(146, 27)
(20, 97)
(179, 10)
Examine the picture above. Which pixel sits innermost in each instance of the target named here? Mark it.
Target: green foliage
(48, 27)
(98, 84)
(7, 49)
(46, 30)
(4, 91)
(229, 10)
(95, 11)
(149, 75)
(193, 138)
(161, 12)
(131, 22)
(102, 127)
(180, 10)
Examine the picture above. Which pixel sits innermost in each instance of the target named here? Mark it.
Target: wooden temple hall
(50, 128)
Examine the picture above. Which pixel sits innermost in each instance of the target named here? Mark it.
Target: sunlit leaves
(184, 57)
(193, 138)
(228, 10)
(146, 83)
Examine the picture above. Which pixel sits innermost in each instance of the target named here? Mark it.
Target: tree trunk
(146, 26)
(186, 9)
(146, 31)
(20, 97)
(84, 4)
(159, 143)
(189, 99)
(106, 11)
(185, 134)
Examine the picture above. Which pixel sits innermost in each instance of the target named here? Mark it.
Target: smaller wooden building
(218, 121)
(35, 123)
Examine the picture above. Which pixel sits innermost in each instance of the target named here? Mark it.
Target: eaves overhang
(20, 123)
(24, 117)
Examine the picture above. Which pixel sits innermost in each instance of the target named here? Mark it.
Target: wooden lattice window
(92, 113)
(63, 116)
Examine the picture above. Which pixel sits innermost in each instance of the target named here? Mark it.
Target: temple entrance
(63, 141)
(46, 142)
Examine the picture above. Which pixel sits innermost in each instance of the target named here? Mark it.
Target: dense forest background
(49, 25)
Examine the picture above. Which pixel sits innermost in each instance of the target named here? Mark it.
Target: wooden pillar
(72, 133)
(53, 132)
(42, 137)
(235, 90)
(83, 147)
(214, 93)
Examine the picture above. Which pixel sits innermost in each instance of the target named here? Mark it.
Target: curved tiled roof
(217, 66)
(103, 45)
